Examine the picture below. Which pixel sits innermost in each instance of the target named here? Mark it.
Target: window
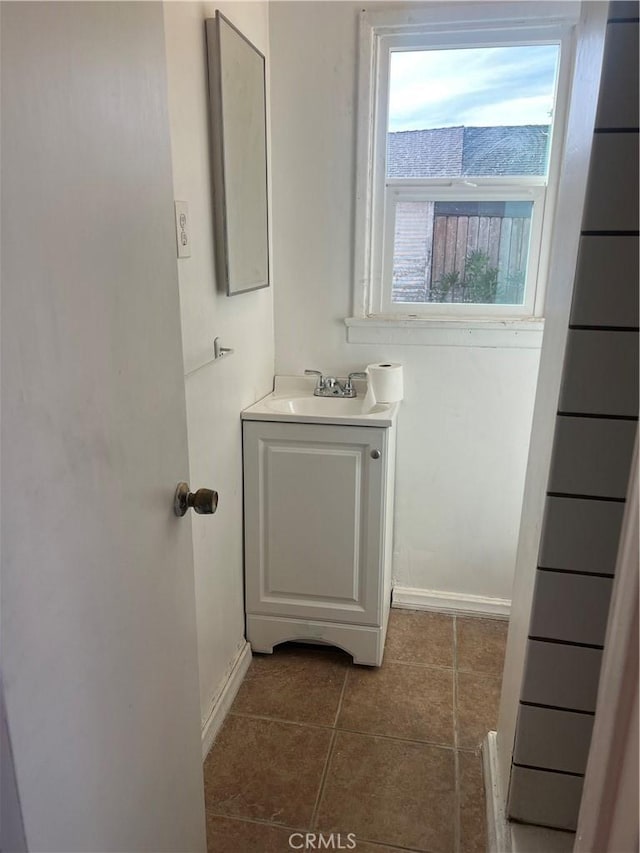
(461, 121)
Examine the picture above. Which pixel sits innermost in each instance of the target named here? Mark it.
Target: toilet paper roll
(386, 382)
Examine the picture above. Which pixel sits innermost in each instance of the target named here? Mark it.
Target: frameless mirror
(239, 157)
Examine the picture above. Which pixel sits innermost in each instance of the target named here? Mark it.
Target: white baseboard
(450, 602)
(224, 699)
(498, 830)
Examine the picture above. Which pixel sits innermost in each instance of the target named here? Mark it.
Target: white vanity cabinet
(318, 502)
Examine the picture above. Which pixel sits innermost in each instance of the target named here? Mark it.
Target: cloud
(531, 110)
(481, 86)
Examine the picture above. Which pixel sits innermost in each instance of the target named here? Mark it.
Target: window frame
(453, 25)
(457, 192)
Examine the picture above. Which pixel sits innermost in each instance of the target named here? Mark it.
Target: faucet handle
(349, 390)
(357, 374)
(317, 373)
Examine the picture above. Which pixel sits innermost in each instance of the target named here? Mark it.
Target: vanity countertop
(293, 400)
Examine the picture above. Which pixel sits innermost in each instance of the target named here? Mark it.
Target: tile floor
(314, 743)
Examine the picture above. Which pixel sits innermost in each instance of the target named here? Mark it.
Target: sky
(475, 87)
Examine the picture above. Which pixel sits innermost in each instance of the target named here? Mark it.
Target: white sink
(293, 400)
(323, 406)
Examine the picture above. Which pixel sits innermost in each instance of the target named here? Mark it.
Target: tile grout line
(431, 743)
(267, 718)
(342, 692)
(456, 757)
(417, 663)
(467, 670)
(397, 739)
(292, 829)
(255, 820)
(325, 769)
(471, 670)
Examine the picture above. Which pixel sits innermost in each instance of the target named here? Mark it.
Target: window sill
(517, 333)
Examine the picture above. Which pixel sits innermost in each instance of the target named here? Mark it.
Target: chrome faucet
(330, 386)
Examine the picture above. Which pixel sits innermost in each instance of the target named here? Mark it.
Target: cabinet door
(314, 505)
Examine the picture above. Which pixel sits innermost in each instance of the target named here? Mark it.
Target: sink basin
(324, 406)
(293, 400)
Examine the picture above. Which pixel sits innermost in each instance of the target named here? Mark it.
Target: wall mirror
(239, 157)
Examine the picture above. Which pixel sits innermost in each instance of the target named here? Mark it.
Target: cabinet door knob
(375, 454)
(204, 501)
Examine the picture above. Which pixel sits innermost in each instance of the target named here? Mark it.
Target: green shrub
(478, 285)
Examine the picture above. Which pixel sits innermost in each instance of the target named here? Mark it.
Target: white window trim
(427, 331)
(553, 21)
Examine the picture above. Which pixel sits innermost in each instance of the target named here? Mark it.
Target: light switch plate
(183, 229)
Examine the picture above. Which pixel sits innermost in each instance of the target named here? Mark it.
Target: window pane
(472, 252)
(471, 111)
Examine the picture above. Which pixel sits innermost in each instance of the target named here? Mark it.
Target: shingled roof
(459, 151)
(425, 153)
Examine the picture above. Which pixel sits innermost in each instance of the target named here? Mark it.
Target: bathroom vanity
(318, 503)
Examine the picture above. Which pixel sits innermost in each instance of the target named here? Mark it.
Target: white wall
(218, 391)
(466, 418)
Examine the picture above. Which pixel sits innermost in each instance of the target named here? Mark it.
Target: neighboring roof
(425, 153)
(516, 150)
(452, 151)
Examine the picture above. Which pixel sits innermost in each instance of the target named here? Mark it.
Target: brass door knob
(204, 501)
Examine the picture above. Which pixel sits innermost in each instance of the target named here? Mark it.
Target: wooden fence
(429, 245)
